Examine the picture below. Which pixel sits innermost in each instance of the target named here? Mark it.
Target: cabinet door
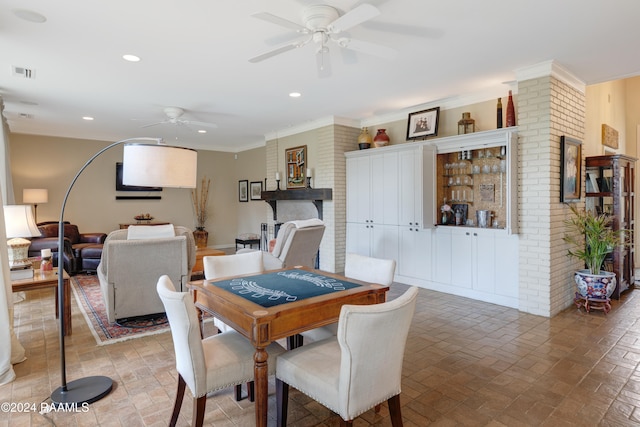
(506, 262)
(384, 188)
(358, 189)
(461, 258)
(358, 238)
(442, 255)
(384, 241)
(415, 255)
(410, 185)
(483, 243)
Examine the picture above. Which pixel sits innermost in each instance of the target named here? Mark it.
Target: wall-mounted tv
(121, 187)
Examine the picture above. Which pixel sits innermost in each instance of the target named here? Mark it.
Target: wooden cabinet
(610, 189)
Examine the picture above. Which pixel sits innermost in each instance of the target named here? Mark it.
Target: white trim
(550, 68)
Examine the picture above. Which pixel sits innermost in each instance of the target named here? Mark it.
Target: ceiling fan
(174, 116)
(322, 24)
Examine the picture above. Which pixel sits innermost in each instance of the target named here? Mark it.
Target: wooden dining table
(264, 308)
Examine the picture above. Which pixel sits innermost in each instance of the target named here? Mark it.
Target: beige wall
(47, 162)
(250, 165)
(606, 104)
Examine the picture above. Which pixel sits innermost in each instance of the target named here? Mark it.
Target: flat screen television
(121, 187)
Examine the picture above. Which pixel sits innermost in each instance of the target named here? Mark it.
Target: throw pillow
(139, 232)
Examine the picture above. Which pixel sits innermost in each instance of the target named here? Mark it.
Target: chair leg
(178, 403)
(238, 392)
(199, 405)
(282, 402)
(251, 391)
(344, 423)
(377, 408)
(394, 411)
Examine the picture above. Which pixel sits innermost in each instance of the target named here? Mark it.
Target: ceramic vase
(599, 286)
(201, 236)
(364, 139)
(381, 139)
(511, 114)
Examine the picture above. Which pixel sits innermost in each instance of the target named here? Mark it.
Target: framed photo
(243, 190)
(256, 190)
(296, 161)
(570, 169)
(423, 124)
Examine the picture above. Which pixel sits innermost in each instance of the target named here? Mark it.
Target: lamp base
(84, 390)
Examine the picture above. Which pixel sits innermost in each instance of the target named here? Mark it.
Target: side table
(197, 273)
(49, 279)
(245, 242)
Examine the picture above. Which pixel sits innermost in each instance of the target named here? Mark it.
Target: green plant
(592, 238)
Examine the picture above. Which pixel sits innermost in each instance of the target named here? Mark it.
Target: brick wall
(547, 109)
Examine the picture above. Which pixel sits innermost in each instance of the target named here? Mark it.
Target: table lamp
(19, 223)
(34, 196)
(143, 164)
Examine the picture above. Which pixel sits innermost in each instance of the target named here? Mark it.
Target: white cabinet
(415, 252)
(375, 240)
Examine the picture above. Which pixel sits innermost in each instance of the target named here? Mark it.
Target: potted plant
(199, 197)
(592, 238)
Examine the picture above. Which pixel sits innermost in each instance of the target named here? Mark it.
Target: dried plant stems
(199, 198)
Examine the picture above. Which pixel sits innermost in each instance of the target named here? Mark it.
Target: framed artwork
(256, 190)
(243, 190)
(423, 124)
(296, 160)
(570, 169)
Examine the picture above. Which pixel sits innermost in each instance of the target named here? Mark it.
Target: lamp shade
(35, 196)
(159, 165)
(19, 222)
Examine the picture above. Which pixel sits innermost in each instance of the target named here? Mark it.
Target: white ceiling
(195, 56)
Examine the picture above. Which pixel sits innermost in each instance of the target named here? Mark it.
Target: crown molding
(553, 69)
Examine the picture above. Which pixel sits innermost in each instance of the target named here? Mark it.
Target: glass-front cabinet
(609, 182)
(475, 180)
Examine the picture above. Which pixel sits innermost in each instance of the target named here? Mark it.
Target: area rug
(86, 289)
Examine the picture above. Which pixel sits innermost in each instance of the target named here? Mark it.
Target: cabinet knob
(411, 229)
(467, 233)
(475, 234)
(410, 223)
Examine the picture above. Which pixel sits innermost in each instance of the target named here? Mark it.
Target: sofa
(82, 251)
(132, 262)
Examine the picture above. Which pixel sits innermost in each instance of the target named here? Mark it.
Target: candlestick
(308, 173)
(277, 176)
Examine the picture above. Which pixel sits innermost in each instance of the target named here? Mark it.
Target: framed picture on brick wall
(570, 169)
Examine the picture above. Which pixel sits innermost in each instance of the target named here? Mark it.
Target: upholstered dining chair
(352, 372)
(359, 267)
(216, 267)
(205, 365)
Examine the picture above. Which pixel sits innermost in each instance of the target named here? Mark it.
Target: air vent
(25, 116)
(26, 73)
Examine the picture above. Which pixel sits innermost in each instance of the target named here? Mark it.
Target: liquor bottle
(499, 114)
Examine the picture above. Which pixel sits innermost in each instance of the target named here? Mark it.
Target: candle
(45, 253)
(277, 176)
(308, 173)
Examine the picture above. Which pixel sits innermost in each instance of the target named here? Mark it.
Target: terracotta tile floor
(467, 363)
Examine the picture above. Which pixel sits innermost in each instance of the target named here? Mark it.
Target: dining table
(279, 304)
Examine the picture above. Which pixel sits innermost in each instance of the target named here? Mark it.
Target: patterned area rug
(86, 289)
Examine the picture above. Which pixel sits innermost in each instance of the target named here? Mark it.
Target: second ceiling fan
(323, 25)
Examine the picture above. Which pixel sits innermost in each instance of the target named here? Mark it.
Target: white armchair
(356, 370)
(130, 267)
(297, 243)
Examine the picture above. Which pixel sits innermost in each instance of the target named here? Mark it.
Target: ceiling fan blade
(154, 124)
(368, 48)
(280, 50)
(266, 16)
(204, 124)
(323, 62)
(354, 17)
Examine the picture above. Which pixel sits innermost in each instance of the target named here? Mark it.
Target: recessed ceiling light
(29, 15)
(202, 131)
(131, 58)
(88, 118)
(295, 94)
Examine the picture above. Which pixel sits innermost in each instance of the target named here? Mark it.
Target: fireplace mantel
(315, 195)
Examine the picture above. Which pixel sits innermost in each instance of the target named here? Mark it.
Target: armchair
(130, 268)
(82, 251)
(297, 243)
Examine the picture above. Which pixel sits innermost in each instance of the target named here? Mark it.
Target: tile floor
(467, 363)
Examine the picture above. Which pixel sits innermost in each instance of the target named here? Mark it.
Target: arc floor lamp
(144, 164)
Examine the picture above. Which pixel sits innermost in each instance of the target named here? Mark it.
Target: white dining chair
(359, 267)
(205, 365)
(357, 369)
(216, 267)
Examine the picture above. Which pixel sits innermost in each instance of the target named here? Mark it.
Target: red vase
(381, 139)
(511, 114)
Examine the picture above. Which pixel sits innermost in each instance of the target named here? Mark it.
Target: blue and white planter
(598, 286)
